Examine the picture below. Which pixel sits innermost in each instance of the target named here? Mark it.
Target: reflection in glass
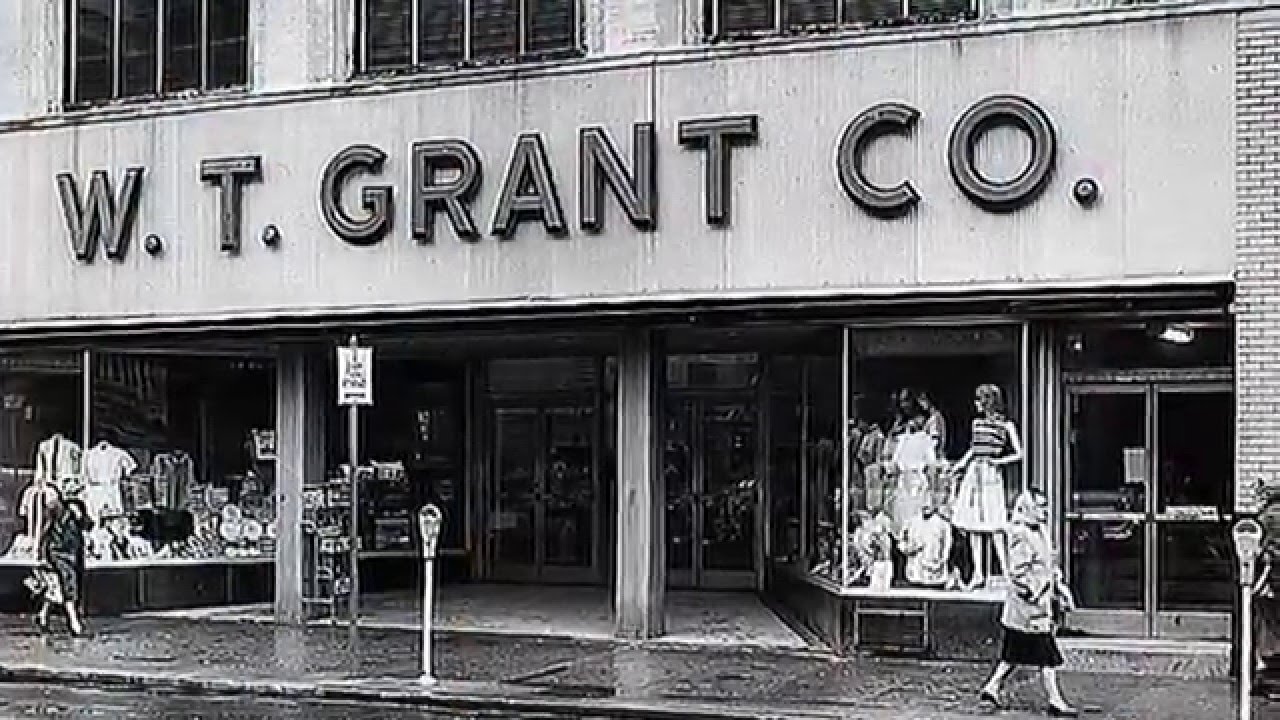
(678, 471)
(786, 425)
(1108, 564)
(1197, 443)
(730, 487)
(1197, 567)
(1108, 452)
(569, 494)
(41, 406)
(517, 486)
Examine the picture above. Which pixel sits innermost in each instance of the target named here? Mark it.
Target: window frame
(712, 32)
(468, 59)
(71, 9)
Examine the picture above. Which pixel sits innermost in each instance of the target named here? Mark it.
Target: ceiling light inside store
(1178, 334)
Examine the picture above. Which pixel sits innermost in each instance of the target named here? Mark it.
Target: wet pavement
(574, 676)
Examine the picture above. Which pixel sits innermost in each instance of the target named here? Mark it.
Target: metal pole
(1246, 652)
(428, 619)
(353, 447)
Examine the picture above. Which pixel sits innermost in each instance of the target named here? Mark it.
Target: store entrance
(1149, 497)
(712, 467)
(546, 499)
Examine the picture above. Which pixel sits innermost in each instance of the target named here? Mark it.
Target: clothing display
(105, 467)
(174, 475)
(913, 453)
(927, 546)
(58, 464)
(981, 504)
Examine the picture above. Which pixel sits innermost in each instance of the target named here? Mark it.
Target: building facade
(662, 294)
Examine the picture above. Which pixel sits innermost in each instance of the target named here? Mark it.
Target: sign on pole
(355, 375)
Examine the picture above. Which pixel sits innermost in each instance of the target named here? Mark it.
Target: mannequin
(913, 453)
(935, 424)
(979, 507)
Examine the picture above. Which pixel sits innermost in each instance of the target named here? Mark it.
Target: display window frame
(87, 437)
(1018, 332)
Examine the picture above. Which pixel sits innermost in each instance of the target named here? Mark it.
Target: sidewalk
(589, 678)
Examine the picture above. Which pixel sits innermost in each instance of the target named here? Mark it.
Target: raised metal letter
(992, 112)
(717, 135)
(98, 219)
(528, 190)
(878, 120)
(429, 157)
(375, 199)
(230, 175)
(599, 164)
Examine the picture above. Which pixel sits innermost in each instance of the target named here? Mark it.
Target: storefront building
(656, 303)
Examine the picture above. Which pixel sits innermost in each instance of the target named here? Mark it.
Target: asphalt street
(58, 702)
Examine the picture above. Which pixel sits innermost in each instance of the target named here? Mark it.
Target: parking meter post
(1247, 535)
(429, 522)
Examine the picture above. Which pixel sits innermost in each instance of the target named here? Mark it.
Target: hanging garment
(58, 464)
(105, 467)
(914, 452)
(927, 545)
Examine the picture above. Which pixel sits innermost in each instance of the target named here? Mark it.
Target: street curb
(474, 698)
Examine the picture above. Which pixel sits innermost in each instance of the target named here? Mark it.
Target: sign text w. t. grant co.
(360, 205)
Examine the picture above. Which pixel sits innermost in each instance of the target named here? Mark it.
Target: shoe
(989, 697)
(42, 624)
(1068, 711)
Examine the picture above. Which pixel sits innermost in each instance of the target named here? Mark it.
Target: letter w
(99, 219)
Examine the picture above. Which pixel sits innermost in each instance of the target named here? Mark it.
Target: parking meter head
(430, 519)
(1247, 534)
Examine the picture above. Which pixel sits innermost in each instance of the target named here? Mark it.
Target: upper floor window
(745, 18)
(146, 48)
(407, 34)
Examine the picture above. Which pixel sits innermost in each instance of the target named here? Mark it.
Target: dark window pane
(495, 29)
(181, 45)
(799, 14)
(738, 17)
(94, 47)
(441, 40)
(228, 43)
(390, 30)
(550, 26)
(138, 40)
(940, 9)
(859, 12)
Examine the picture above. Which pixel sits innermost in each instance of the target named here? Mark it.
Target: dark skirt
(1031, 649)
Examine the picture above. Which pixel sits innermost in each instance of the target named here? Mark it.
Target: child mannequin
(979, 505)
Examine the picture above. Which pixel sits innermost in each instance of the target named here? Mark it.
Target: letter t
(230, 175)
(716, 136)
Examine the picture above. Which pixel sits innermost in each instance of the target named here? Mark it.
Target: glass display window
(41, 436)
(180, 462)
(932, 462)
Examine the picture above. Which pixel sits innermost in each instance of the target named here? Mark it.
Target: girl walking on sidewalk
(58, 579)
(1036, 594)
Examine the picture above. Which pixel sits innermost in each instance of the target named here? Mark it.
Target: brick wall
(1257, 253)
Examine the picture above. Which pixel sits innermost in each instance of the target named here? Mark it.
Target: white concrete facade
(1142, 102)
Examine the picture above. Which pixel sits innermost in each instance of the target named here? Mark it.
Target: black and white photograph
(639, 359)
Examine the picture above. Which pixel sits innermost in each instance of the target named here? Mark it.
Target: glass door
(1195, 441)
(1107, 520)
(711, 465)
(546, 500)
(1150, 477)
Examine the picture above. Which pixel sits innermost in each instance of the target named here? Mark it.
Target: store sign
(355, 375)
(446, 174)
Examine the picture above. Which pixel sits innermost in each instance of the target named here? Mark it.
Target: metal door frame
(1150, 621)
(540, 571)
(698, 576)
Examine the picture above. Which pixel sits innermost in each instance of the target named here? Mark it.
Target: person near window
(1037, 596)
(59, 578)
(1266, 590)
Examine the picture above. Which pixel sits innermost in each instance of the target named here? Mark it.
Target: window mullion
(161, 8)
(715, 18)
(415, 25)
(777, 16)
(73, 58)
(839, 12)
(522, 44)
(115, 58)
(466, 30)
(204, 45)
